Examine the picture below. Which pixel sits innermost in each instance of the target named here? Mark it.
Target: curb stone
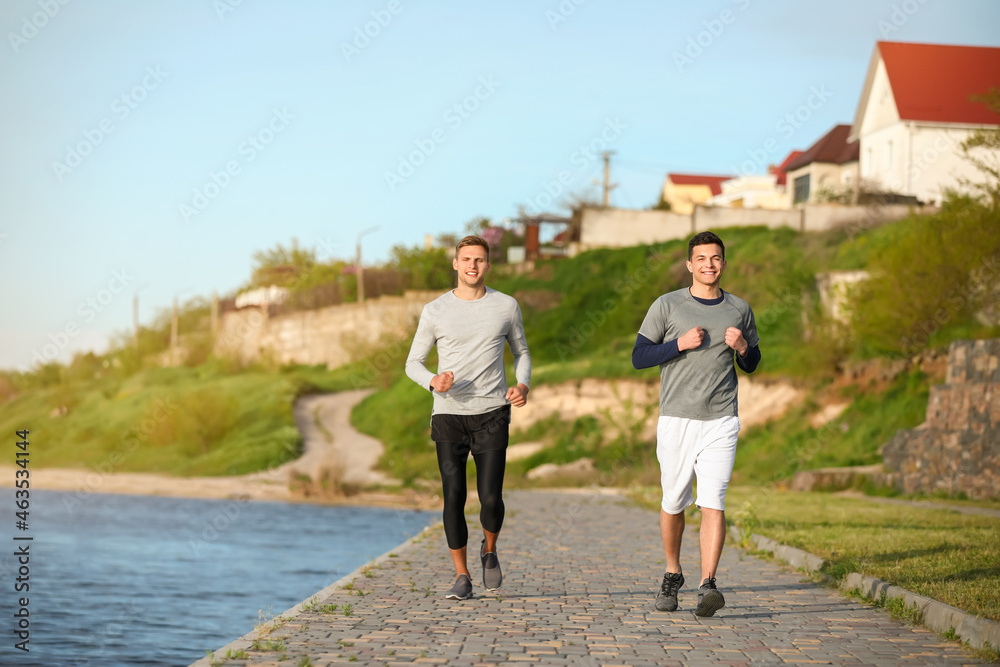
(794, 557)
(937, 615)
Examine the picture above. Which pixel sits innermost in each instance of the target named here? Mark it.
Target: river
(118, 580)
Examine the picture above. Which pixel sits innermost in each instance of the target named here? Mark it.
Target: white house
(915, 111)
(757, 190)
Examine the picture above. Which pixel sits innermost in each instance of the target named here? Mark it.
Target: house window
(801, 192)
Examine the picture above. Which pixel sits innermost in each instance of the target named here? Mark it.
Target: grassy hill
(581, 315)
(211, 419)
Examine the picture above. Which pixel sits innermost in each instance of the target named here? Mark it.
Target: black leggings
(452, 460)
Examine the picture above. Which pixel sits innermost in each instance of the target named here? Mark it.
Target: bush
(939, 271)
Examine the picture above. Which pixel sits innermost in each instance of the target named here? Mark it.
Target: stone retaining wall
(957, 450)
(332, 336)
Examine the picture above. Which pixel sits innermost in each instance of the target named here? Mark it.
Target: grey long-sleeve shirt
(470, 337)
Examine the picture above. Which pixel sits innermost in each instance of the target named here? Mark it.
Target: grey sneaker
(492, 576)
(710, 599)
(666, 599)
(462, 590)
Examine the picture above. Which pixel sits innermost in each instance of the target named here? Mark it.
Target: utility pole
(215, 315)
(173, 334)
(135, 321)
(608, 185)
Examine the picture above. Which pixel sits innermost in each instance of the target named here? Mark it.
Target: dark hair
(705, 238)
(473, 240)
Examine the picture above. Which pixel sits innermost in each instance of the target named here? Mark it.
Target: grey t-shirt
(700, 383)
(469, 336)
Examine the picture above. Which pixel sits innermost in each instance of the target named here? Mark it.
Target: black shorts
(481, 433)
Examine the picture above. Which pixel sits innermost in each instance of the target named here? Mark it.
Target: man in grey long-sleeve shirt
(471, 400)
(694, 334)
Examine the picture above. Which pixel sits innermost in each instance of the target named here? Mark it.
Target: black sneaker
(492, 576)
(462, 590)
(710, 599)
(666, 599)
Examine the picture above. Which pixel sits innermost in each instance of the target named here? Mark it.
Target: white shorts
(690, 448)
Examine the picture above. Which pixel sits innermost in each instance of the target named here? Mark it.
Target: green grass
(205, 420)
(182, 421)
(951, 557)
(581, 314)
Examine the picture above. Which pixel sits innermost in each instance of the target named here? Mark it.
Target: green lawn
(945, 555)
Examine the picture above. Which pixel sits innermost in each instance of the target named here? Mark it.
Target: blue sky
(155, 145)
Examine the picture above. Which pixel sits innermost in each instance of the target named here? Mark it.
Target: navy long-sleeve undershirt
(647, 354)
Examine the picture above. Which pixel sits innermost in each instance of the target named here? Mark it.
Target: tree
(982, 150)
(282, 266)
(662, 205)
(423, 269)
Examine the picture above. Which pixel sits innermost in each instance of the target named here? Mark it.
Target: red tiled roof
(781, 171)
(714, 183)
(933, 82)
(833, 147)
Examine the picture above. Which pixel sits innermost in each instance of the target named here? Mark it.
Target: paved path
(581, 574)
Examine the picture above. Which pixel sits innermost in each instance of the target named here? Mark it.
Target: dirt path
(331, 445)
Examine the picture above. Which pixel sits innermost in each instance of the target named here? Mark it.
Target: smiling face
(706, 265)
(472, 264)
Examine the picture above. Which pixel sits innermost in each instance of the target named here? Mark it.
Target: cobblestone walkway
(581, 572)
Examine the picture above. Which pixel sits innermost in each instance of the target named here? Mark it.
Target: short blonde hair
(473, 240)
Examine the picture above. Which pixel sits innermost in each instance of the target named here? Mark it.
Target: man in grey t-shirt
(692, 334)
(471, 413)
